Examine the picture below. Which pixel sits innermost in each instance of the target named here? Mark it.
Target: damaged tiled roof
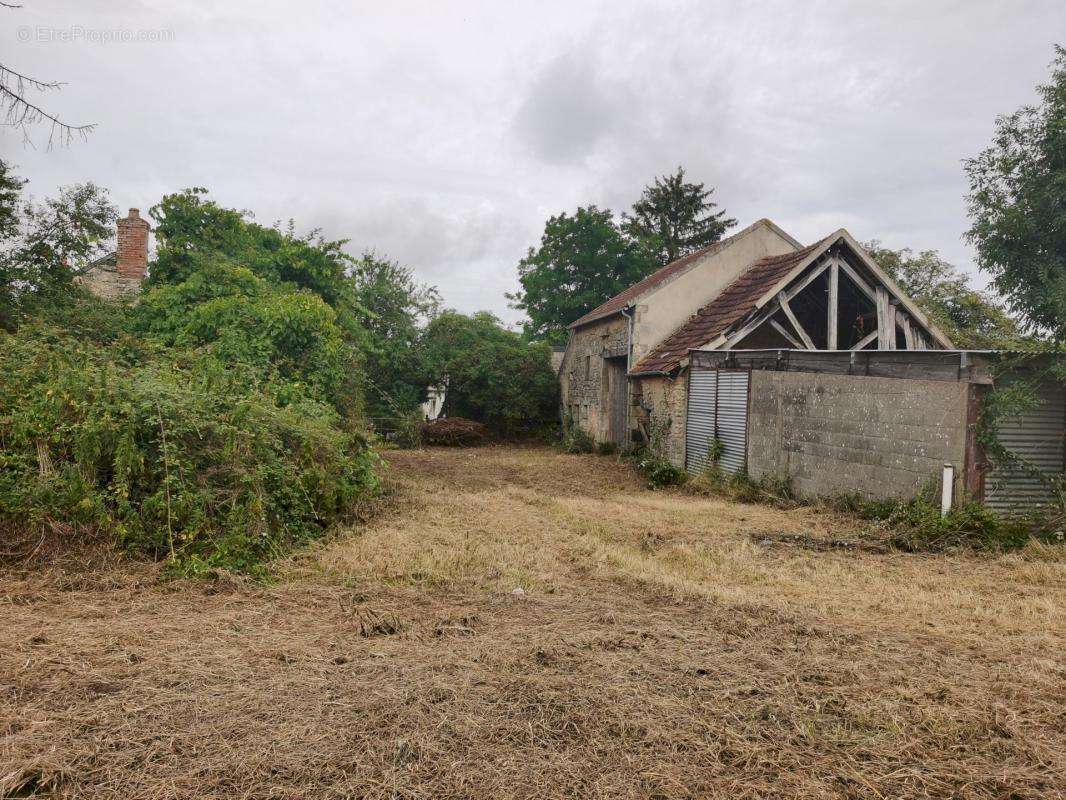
(620, 301)
(731, 305)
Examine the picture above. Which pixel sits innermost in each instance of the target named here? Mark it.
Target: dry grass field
(664, 646)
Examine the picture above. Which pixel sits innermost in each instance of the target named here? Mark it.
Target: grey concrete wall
(880, 437)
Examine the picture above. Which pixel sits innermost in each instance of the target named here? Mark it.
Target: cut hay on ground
(657, 651)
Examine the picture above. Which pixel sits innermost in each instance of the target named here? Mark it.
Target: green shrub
(171, 453)
(606, 449)
(576, 440)
(493, 375)
(408, 431)
(657, 470)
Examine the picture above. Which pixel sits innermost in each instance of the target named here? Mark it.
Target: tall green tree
(1017, 206)
(583, 260)
(971, 318)
(44, 245)
(396, 307)
(674, 217)
(490, 374)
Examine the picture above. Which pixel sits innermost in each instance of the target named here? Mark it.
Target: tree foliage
(674, 217)
(44, 245)
(583, 260)
(397, 308)
(971, 318)
(1017, 206)
(214, 423)
(587, 258)
(263, 297)
(490, 374)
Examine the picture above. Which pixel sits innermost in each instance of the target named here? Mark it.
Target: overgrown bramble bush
(454, 432)
(171, 452)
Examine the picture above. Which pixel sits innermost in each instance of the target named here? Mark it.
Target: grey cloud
(448, 143)
(570, 109)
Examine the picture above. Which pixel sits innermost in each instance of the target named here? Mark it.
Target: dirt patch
(657, 650)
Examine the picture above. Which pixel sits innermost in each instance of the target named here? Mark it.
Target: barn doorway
(617, 397)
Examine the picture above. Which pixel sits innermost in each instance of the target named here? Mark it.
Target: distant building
(118, 275)
(558, 351)
(434, 402)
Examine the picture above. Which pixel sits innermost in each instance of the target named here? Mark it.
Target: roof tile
(731, 305)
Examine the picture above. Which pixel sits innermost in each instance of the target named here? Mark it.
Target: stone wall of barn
(658, 412)
(832, 434)
(583, 379)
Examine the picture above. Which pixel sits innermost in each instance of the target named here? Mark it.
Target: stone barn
(625, 374)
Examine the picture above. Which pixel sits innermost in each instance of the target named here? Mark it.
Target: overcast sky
(443, 134)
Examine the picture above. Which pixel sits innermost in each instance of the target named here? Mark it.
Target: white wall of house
(668, 307)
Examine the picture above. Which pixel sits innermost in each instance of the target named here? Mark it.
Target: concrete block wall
(880, 437)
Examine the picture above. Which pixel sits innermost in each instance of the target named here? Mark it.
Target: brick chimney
(132, 251)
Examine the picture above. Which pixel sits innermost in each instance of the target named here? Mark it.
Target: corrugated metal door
(699, 425)
(1037, 437)
(733, 420)
(717, 407)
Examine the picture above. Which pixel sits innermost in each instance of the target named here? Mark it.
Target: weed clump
(775, 490)
(606, 449)
(916, 525)
(576, 440)
(657, 470)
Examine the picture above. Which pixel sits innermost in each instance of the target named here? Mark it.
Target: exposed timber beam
(808, 278)
(783, 300)
(777, 326)
(864, 287)
(908, 331)
(754, 323)
(865, 340)
(885, 334)
(834, 296)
